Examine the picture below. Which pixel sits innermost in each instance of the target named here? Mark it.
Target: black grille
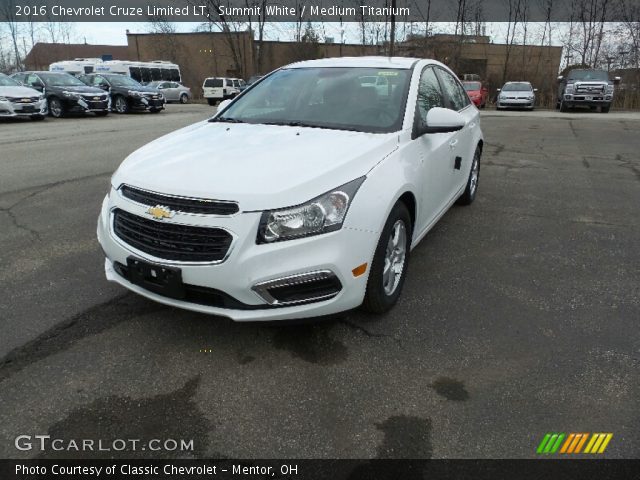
(170, 241)
(590, 89)
(186, 205)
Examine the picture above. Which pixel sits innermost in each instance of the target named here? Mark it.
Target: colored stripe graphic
(550, 443)
(572, 443)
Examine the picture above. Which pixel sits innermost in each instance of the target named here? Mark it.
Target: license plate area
(160, 279)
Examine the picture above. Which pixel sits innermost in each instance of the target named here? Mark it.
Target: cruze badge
(159, 212)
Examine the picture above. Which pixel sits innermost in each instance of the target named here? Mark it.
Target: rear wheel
(469, 194)
(56, 108)
(390, 261)
(184, 98)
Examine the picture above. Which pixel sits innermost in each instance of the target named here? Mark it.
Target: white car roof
(371, 62)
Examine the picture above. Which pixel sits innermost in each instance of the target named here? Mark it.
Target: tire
(563, 107)
(471, 189)
(120, 104)
(605, 109)
(383, 290)
(184, 98)
(37, 117)
(102, 114)
(56, 108)
(211, 102)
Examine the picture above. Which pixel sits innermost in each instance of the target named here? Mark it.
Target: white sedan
(301, 197)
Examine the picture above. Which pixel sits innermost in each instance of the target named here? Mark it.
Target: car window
(453, 91)
(33, 80)
(213, 82)
(429, 93)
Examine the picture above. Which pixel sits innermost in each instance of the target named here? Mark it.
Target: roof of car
(371, 62)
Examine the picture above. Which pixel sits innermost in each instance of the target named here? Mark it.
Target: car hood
(260, 166)
(19, 92)
(523, 94)
(79, 89)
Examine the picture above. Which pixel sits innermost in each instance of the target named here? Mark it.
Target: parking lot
(519, 315)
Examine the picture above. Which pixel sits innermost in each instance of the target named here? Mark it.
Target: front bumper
(22, 109)
(515, 103)
(248, 266)
(587, 100)
(146, 103)
(85, 104)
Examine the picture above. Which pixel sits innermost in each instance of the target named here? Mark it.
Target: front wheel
(121, 104)
(469, 194)
(563, 106)
(56, 108)
(390, 261)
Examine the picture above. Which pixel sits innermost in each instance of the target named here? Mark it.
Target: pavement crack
(20, 226)
(361, 329)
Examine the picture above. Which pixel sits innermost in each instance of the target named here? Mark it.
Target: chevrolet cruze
(301, 197)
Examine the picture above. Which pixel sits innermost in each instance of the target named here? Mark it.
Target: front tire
(56, 108)
(563, 106)
(121, 104)
(470, 191)
(390, 261)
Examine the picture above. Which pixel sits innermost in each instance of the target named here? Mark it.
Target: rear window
(213, 82)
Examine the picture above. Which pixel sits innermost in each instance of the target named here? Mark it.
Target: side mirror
(441, 120)
(535, 89)
(560, 77)
(498, 89)
(223, 104)
(104, 86)
(38, 86)
(616, 79)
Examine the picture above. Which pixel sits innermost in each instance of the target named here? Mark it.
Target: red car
(477, 93)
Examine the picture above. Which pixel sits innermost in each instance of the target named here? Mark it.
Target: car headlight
(569, 88)
(4, 99)
(41, 97)
(134, 93)
(323, 214)
(70, 94)
(609, 88)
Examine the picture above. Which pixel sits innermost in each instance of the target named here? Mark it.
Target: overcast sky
(112, 33)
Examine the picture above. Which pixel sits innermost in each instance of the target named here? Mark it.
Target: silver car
(516, 95)
(17, 100)
(173, 91)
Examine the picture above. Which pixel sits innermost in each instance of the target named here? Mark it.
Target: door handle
(453, 143)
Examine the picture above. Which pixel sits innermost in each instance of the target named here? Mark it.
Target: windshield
(517, 87)
(153, 84)
(599, 75)
(470, 86)
(8, 82)
(122, 81)
(60, 80)
(325, 98)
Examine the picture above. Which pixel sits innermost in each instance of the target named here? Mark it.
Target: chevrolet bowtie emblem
(159, 212)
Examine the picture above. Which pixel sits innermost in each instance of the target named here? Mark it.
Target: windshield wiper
(226, 119)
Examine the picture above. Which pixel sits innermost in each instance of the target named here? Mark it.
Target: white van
(77, 66)
(216, 89)
(143, 72)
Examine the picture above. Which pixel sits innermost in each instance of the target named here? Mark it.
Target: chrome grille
(180, 204)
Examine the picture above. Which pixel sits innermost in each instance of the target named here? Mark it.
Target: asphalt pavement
(519, 315)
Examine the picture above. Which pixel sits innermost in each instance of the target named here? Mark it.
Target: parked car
(19, 101)
(126, 93)
(589, 87)
(172, 91)
(250, 82)
(65, 93)
(216, 89)
(478, 93)
(301, 197)
(516, 95)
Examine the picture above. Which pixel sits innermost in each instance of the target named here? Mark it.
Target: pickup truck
(589, 87)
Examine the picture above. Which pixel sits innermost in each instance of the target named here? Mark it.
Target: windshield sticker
(388, 73)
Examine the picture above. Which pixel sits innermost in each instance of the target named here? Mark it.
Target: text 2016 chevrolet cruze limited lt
(301, 197)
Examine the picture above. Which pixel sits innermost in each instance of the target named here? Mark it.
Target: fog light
(301, 288)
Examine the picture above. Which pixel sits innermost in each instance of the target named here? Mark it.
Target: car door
(461, 141)
(168, 91)
(433, 151)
